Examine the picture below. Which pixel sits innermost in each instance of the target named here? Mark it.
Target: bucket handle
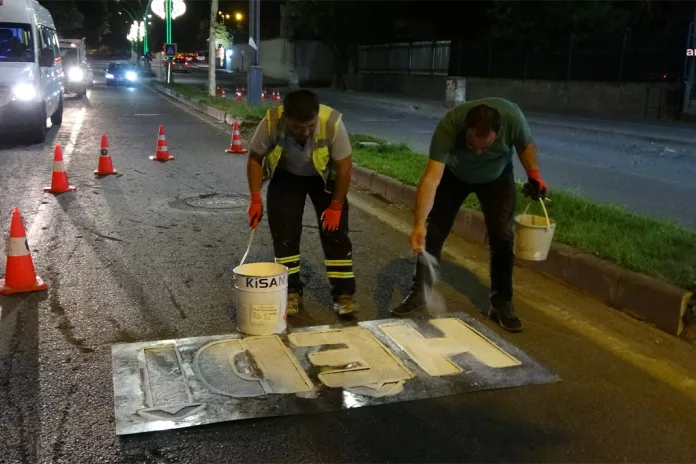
(543, 206)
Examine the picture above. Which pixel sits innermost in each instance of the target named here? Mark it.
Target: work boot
(504, 314)
(344, 304)
(412, 303)
(294, 303)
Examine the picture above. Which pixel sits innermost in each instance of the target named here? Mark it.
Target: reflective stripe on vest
(321, 158)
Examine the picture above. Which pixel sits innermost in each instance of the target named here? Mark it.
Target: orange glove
(255, 210)
(332, 216)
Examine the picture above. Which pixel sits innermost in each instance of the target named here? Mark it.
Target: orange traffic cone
(263, 95)
(59, 180)
(276, 95)
(239, 96)
(20, 276)
(162, 149)
(236, 144)
(105, 167)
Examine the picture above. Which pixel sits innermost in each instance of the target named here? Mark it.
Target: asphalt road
(125, 263)
(654, 178)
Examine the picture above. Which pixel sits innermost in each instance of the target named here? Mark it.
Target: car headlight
(109, 76)
(75, 75)
(130, 75)
(24, 91)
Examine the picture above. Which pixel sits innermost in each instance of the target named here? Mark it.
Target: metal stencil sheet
(173, 384)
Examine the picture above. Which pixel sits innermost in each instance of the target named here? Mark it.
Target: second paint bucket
(261, 293)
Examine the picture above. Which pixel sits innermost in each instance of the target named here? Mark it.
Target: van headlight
(109, 76)
(24, 92)
(130, 75)
(75, 75)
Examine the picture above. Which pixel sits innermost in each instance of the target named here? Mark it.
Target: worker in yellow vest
(303, 148)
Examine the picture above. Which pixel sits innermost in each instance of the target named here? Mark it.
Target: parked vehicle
(80, 77)
(31, 73)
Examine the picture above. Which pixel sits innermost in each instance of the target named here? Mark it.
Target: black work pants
(497, 200)
(285, 205)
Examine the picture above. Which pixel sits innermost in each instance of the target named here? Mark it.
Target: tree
(541, 23)
(104, 25)
(68, 18)
(338, 24)
(222, 35)
(211, 47)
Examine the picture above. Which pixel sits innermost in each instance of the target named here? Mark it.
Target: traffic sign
(242, 53)
(170, 49)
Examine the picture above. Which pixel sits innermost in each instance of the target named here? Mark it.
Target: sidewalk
(646, 129)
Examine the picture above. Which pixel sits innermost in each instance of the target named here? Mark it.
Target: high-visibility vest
(321, 158)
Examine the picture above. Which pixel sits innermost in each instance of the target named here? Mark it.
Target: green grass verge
(657, 248)
(236, 108)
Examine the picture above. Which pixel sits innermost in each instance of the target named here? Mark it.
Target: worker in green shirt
(471, 152)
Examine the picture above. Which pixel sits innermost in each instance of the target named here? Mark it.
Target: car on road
(77, 70)
(121, 74)
(180, 64)
(31, 73)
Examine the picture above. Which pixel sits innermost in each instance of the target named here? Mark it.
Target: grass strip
(239, 109)
(657, 248)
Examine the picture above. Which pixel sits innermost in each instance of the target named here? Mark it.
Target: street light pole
(146, 47)
(168, 19)
(255, 72)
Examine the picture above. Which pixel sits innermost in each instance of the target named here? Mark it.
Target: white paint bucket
(533, 235)
(261, 292)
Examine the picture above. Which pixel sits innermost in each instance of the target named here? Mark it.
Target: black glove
(535, 187)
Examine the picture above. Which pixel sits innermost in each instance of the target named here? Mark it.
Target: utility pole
(255, 72)
(212, 45)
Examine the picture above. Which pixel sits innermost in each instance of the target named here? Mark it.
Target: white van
(31, 74)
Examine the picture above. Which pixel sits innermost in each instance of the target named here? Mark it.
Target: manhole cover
(217, 201)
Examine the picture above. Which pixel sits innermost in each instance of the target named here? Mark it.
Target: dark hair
(483, 119)
(301, 105)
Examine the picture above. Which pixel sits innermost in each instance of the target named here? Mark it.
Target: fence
(406, 58)
(609, 59)
(622, 58)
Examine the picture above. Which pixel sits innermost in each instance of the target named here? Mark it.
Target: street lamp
(168, 10)
(238, 16)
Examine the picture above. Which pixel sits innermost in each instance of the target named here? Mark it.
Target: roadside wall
(628, 99)
(312, 59)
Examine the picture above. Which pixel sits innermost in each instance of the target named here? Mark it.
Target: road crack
(64, 325)
(107, 237)
(176, 304)
(58, 444)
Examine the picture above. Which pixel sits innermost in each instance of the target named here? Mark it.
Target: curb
(214, 113)
(658, 303)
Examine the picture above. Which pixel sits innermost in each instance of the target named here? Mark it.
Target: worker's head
(482, 124)
(301, 111)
